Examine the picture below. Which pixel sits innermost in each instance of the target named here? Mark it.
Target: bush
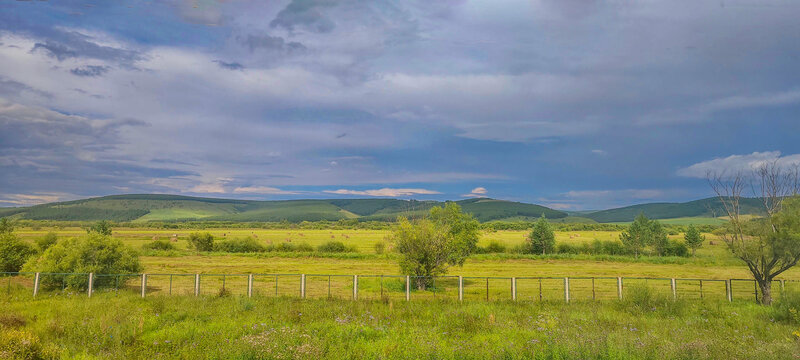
(289, 247)
(13, 252)
(159, 245)
(335, 247)
(50, 239)
(101, 227)
(380, 247)
(676, 248)
(239, 245)
(563, 248)
(201, 241)
(495, 247)
(93, 253)
(787, 308)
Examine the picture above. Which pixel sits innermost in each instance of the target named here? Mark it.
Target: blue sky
(570, 104)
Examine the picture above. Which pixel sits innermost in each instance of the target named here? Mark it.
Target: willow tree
(768, 245)
(430, 245)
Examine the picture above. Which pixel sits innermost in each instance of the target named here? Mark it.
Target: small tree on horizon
(102, 227)
(638, 235)
(694, 239)
(541, 239)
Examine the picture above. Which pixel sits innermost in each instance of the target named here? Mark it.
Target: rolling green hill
(707, 208)
(147, 207)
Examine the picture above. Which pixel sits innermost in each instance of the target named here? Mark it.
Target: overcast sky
(569, 104)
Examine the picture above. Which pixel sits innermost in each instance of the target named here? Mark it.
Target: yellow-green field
(712, 261)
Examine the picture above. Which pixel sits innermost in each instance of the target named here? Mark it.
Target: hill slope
(710, 207)
(148, 207)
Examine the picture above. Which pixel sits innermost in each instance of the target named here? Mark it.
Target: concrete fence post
(566, 289)
(783, 286)
(302, 286)
(619, 287)
(408, 288)
(729, 289)
(91, 285)
(460, 288)
(196, 284)
(355, 287)
(674, 287)
(250, 285)
(35, 284)
(144, 284)
(514, 289)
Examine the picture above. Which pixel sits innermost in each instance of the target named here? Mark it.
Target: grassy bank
(642, 327)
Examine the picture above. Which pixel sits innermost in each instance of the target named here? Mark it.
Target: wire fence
(383, 287)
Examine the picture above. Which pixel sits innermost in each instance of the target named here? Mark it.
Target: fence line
(486, 288)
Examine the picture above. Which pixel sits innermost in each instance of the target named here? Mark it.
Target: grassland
(232, 327)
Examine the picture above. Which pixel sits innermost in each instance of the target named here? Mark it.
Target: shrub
(13, 252)
(676, 248)
(159, 245)
(335, 247)
(43, 243)
(201, 241)
(563, 248)
(495, 247)
(304, 247)
(93, 253)
(380, 247)
(787, 307)
(239, 245)
(101, 227)
(289, 247)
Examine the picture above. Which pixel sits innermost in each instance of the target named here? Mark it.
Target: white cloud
(476, 192)
(738, 163)
(641, 194)
(34, 199)
(208, 189)
(385, 192)
(599, 152)
(263, 190)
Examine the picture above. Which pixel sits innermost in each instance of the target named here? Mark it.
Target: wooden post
(783, 286)
(302, 286)
(35, 284)
(674, 287)
(594, 297)
(144, 284)
(619, 287)
(566, 289)
(91, 285)
(196, 284)
(701, 288)
(408, 288)
(460, 288)
(355, 287)
(729, 290)
(250, 285)
(514, 289)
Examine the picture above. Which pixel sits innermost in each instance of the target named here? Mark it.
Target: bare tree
(763, 244)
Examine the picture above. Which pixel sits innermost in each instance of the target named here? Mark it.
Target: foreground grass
(642, 327)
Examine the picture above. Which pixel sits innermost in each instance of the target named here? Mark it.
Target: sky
(572, 104)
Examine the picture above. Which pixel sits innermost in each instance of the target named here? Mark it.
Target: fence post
(783, 286)
(729, 290)
(91, 285)
(674, 287)
(514, 289)
(566, 289)
(196, 284)
(144, 284)
(355, 287)
(35, 284)
(460, 288)
(619, 287)
(302, 286)
(250, 285)
(408, 288)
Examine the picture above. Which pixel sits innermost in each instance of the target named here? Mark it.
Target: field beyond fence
(383, 287)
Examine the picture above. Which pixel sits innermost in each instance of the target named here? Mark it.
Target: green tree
(638, 235)
(201, 241)
(694, 239)
(542, 239)
(13, 251)
(102, 227)
(93, 253)
(6, 226)
(768, 245)
(46, 241)
(430, 245)
(658, 238)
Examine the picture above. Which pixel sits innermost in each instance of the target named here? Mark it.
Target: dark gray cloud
(90, 70)
(229, 65)
(64, 45)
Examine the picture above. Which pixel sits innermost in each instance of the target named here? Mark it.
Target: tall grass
(231, 327)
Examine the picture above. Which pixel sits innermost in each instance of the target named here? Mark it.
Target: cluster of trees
(645, 233)
(206, 242)
(96, 252)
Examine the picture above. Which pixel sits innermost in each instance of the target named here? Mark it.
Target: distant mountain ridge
(157, 207)
(709, 207)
